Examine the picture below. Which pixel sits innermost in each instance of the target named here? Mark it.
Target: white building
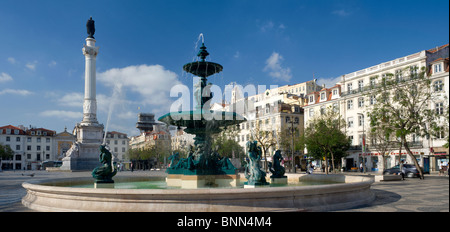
(118, 144)
(277, 111)
(31, 147)
(347, 97)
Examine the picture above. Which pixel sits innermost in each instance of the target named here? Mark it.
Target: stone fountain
(203, 167)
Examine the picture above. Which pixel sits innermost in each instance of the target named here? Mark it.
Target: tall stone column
(90, 103)
(83, 155)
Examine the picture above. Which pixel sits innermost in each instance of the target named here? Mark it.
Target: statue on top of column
(90, 26)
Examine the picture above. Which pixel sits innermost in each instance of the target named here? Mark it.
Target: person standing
(441, 169)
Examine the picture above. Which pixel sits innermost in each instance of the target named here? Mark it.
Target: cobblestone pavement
(410, 195)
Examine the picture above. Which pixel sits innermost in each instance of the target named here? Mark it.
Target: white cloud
(31, 65)
(273, 66)
(341, 13)
(72, 99)
(267, 26)
(152, 82)
(11, 60)
(4, 77)
(329, 82)
(52, 63)
(62, 114)
(237, 55)
(16, 92)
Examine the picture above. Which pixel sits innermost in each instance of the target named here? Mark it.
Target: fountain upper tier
(203, 68)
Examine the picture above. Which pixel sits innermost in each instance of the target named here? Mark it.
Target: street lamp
(363, 148)
(292, 130)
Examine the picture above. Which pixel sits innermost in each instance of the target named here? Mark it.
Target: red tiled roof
(3, 129)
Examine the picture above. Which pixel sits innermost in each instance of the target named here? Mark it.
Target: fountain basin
(51, 195)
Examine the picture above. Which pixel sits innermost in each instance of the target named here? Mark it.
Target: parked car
(408, 170)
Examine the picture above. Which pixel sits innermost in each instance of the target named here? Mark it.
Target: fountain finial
(203, 53)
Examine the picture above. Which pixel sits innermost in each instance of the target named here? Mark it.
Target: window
(349, 87)
(440, 108)
(17, 139)
(335, 107)
(438, 85)
(438, 68)
(398, 75)
(322, 110)
(360, 120)
(322, 97)
(413, 72)
(17, 147)
(28, 139)
(38, 148)
(373, 99)
(350, 122)
(360, 85)
(335, 92)
(288, 119)
(47, 148)
(372, 82)
(38, 140)
(360, 102)
(47, 140)
(8, 138)
(351, 139)
(311, 99)
(29, 148)
(47, 156)
(350, 104)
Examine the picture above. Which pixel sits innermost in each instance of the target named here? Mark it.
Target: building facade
(118, 144)
(31, 147)
(275, 117)
(349, 97)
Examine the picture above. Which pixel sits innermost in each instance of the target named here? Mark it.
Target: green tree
(403, 106)
(6, 152)
(266, 139)
(324, 137)
(226, 145)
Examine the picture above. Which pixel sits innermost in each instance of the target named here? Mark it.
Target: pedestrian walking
(361, 167)
(441, 169)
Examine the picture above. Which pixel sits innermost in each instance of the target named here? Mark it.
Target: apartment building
(118, 144)
(349, 99)
(31, 146)
(277, 111)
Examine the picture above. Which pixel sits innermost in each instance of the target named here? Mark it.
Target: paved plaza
(410, 195)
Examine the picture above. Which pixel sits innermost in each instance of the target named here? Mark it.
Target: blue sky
(144, 44)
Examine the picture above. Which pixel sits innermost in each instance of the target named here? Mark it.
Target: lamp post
(363, 147)
(292, 130)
